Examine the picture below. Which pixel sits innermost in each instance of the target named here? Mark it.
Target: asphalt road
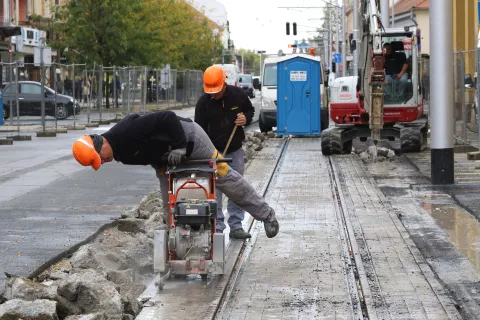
(49, 203)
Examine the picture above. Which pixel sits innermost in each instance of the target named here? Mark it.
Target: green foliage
(251, 61)
(132, 32)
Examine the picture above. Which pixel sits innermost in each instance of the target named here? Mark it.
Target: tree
(251, 61)
(132, 32)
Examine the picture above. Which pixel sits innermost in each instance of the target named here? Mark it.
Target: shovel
(230, 140)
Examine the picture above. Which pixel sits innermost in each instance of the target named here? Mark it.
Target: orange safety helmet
(84, 152)
(213, 79)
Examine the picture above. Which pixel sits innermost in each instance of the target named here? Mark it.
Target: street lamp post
(260, 70)
(344, 45)
(42, 81)
(355, 37)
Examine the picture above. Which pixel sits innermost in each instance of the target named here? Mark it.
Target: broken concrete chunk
(93, 293)
(133, 225)
(271, 134)
(40, 309)
(66, 308)
(21, 288)
(258, 147)
(260, 136)
(391, 154)
(92, 316)
(131, 305)
(364, 156)
(128, 317)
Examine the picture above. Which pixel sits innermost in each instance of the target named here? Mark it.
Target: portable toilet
(299, 95)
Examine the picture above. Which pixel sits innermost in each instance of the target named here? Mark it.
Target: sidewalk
(302, 273)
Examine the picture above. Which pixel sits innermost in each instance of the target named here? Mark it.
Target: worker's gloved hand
(176, 156)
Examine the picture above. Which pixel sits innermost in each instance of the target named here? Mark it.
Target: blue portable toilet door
(300, 113)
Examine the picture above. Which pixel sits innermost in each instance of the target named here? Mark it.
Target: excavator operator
(395, 69)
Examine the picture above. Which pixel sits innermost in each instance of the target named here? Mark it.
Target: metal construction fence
(76, 94)
(465, 109)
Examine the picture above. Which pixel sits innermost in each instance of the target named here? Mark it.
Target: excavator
(375, 104)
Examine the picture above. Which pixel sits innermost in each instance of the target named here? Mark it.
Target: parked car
(30, 102)
(246, 83)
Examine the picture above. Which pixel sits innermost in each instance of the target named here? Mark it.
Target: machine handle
(207, 161)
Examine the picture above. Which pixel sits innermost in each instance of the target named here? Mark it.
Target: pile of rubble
(102, 279)
(254, 142)
(379, 154)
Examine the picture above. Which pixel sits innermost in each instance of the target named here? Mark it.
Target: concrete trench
(109, 273)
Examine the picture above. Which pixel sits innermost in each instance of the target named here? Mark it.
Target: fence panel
(465, 116)
(76, 94)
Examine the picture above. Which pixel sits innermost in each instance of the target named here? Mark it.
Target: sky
(260, 24)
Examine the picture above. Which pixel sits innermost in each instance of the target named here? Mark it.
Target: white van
(233, 73)
(268, 112)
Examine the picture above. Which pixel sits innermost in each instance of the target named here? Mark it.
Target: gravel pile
(102, 280)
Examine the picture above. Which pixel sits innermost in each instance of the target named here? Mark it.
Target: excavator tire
(412, 139)
(332, 142)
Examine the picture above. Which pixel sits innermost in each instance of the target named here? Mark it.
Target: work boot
(240, 234)
(271, 225)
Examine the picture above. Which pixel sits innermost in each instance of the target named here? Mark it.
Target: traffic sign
(303, 45)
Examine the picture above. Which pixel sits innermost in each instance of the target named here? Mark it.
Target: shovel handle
(230, 140)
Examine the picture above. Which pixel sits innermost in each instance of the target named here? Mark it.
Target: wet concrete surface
(442, 230)
(303, 273)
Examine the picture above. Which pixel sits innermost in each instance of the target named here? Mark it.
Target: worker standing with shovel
(222, 112)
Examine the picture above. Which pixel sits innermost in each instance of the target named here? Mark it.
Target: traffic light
(294, 28)
(288, 28)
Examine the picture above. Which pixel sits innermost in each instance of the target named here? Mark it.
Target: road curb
(6, 142)
(46, 134)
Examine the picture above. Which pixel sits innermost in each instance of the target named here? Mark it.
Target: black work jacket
(217, 117)
(145, 139)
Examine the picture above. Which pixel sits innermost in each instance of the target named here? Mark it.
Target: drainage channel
(354, 270)
(181, 299)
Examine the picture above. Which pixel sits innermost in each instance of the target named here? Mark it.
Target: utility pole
(441, 106)
(42, 81)
(330, 47)
(325, 48)
(344, 44)
(355, 37)
(260, 70)
(337, 40)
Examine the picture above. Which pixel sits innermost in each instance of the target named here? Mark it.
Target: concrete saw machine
(190, 246)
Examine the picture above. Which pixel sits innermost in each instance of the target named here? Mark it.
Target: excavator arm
(376, 78)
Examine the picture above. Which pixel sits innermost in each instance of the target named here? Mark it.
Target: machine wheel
(263, 126)
(324, 119)
(412, 139)
(160, 281)
(332, 142)
(347, 147)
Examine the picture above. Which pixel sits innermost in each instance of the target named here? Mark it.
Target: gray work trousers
(231, 183)
(235, 212)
